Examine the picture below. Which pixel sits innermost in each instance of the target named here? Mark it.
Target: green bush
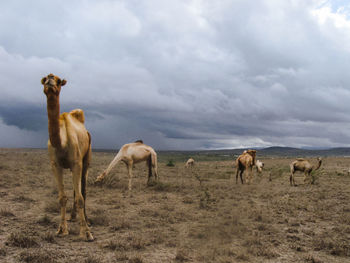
(170, 163)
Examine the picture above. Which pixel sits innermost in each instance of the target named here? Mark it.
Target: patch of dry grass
(22, 239)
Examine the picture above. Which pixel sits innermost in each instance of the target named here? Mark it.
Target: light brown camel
(130, 154)
(303, 165)
(189, 163)
(69, 147)
(245, 162)
(259, 166)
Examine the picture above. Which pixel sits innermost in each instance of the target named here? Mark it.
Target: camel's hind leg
(155, 166)
(291, 178)
(79, 199)
(62, 199)
(86, 163)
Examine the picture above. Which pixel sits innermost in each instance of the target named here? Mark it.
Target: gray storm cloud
(180, 74)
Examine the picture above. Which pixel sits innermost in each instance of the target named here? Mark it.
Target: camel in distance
(69, 147)
(259, 166)
(305, 166)
(245, 163)
(189, 163)
(131, 154)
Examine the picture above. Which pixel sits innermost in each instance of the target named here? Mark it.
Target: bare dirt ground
(190, 216)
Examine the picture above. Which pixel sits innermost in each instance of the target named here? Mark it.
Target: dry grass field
(190, 216)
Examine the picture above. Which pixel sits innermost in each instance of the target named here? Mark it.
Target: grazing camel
(130, 154)
(259, 166)
(245, 162)
(303, 165)
(189, 163)
(69, 147)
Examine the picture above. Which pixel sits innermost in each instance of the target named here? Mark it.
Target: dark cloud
(24, 116)
(180, 74)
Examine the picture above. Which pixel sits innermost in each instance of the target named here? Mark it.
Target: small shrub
(170, 163)
(122, 224)
(52, 207)
(22, 198)
(136, 259)
(2, 252)
(181, 256)
(92, 259)
(99, 219)
(187, 200)
(37, 256)
(23, 240)
(44, 220)
(49, 237)
(162, 187)
(6, 213)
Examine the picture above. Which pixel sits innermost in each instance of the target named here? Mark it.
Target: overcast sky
(180, 74)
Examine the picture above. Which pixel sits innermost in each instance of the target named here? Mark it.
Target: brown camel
(189, 163)
(245, 162)
(303, 165)
(69, 147)
(130, 154)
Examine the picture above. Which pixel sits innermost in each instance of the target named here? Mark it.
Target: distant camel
(245, 162)
(189, 163)
(259, 166)
(130, 154)
(69, 147)
(303, 165)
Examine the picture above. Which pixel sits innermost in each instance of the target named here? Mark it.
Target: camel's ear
(63, 82)
(43, 80)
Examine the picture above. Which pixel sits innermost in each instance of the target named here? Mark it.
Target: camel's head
(52, 85)
(251, 152)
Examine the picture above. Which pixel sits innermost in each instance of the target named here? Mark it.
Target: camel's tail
(150, 166)
(292, 168)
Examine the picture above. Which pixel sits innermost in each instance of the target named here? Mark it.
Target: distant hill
(230, 154)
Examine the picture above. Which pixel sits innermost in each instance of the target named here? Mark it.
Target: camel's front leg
(62, 199)
(85, 233)
(306, 177)
(237, 172)
(249, 175)
(129, 166)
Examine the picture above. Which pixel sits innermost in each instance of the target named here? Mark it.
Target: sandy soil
(190, 216)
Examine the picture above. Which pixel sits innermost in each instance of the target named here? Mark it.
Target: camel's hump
(140, 141)
(300, 159)
(78, 114)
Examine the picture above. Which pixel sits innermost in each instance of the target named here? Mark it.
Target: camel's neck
(53, 113)
(318, 165)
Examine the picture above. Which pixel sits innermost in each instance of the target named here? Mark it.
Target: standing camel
(189, 163)
(303, 165)
(245, 162)
(130, 154)
(69, 147)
